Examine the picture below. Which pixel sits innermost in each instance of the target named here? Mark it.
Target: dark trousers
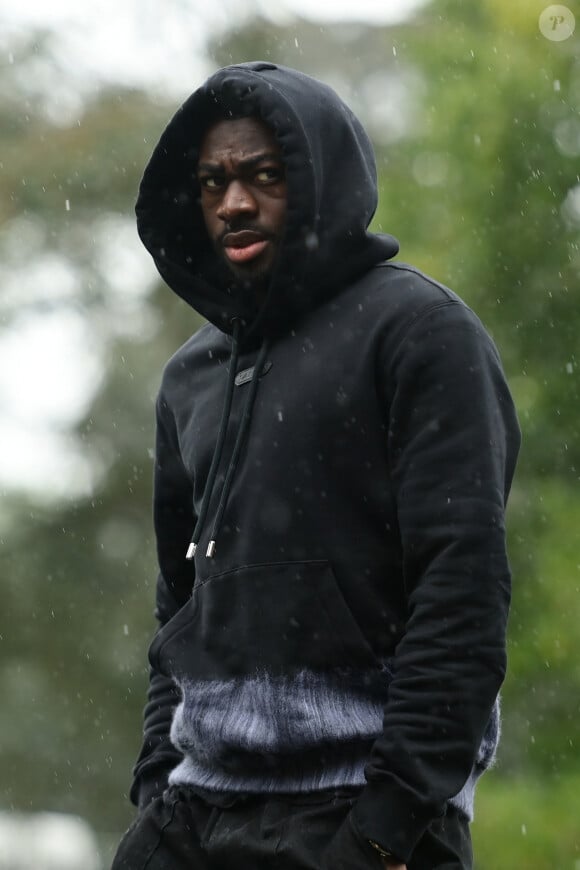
(183, 831)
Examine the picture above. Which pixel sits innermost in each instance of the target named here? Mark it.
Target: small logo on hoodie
(246, 374)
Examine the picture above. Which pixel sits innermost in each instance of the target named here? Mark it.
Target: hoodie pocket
(279, 617)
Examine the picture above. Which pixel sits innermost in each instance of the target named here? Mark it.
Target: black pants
(183, 831)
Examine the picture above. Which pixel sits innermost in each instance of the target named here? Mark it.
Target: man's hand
(391, 866)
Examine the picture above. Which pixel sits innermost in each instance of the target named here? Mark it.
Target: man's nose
(236, 200)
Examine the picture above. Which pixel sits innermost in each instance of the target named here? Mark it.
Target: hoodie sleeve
(173, 520)
(452, 443)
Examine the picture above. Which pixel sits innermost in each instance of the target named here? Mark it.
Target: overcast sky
(150, 41)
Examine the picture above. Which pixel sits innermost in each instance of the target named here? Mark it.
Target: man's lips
(243, 246)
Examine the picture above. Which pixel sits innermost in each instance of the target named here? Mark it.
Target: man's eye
(210, 182)
(268, 175)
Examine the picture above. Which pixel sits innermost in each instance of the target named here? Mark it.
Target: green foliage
(542, 693)
(492, 175)
(527, 823)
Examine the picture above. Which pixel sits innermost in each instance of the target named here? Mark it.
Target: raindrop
(67, 204)
(567, 137)
(571, 207)
(311, 241)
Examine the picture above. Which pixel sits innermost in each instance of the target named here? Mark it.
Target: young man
(334, 452)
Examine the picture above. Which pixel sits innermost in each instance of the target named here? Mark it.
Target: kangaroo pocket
(279, 618)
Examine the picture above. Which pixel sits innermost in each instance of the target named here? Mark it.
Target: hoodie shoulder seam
(405, 267)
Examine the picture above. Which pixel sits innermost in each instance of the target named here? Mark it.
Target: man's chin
(251, 275)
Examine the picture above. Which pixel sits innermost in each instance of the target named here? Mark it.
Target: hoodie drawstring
(218, 451)
(244, 423)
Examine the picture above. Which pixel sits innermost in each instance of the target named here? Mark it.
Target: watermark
(557, 23)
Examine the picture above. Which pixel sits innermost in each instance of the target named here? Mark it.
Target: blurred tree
(78, 574)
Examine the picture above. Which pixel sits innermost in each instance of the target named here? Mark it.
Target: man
(334, 451)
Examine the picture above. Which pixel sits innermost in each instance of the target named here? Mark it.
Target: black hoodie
(348, 448)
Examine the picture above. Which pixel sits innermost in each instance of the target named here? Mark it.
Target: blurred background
(473, 108)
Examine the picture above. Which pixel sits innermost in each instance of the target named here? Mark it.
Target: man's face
(243, 196)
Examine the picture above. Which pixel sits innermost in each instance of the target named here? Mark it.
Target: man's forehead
(237, 136)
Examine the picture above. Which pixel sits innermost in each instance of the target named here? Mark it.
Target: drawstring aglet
(210, 549)
(191, 551)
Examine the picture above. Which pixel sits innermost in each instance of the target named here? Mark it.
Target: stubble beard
(250, 284)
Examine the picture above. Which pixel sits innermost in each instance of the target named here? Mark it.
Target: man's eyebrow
(246, 163)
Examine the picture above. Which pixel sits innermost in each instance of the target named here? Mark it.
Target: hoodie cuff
(389, 816)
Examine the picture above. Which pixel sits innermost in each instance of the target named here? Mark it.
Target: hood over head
(332, 196)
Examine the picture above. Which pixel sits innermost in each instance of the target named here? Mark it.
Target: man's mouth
(244, 245)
